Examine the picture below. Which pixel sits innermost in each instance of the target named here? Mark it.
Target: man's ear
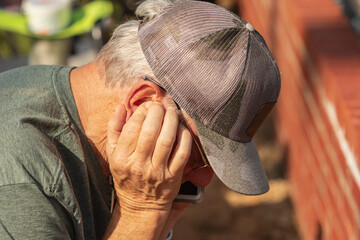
(141, 92)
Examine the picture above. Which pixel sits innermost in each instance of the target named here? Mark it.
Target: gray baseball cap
(217, 67)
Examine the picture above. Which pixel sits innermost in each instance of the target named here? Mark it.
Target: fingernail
(148, 104)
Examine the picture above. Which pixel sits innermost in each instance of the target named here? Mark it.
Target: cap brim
(236, 164)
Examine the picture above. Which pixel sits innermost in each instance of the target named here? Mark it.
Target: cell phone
(190, 193)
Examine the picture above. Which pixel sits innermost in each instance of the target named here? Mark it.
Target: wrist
(136, 224)
(149, 222)
(148, 206)
(144, 213)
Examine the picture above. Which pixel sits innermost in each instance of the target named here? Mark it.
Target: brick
(316, 56)
(356, 194)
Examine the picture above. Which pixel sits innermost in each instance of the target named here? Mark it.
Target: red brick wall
(318, 112)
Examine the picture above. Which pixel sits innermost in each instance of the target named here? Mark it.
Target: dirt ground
(224, 214)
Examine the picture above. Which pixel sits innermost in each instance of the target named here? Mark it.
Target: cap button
(249, 27)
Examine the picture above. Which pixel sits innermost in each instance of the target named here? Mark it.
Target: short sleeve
(26, 213)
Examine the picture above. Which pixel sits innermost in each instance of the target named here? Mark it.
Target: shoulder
(28, 156)
(26, 213)
(28, 71)
(31, 76)
(31, 117)
(32, 168)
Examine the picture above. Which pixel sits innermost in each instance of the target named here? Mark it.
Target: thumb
(115, 126)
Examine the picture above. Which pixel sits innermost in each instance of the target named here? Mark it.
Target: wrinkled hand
(147, 156)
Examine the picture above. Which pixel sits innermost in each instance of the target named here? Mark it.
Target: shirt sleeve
(26, 213)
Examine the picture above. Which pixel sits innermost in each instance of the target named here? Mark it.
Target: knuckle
(155, 177)
(136, 172)
(117, 160)
(136, 120)
(140, 112)
(166, 142)
(148, 132)
(183, 155)
(116, 168)
(135, 169)
(131, 127)
(141, 148)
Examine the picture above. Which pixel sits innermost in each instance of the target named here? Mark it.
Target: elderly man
(171, 98)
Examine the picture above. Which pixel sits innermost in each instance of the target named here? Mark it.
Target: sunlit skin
(96, 105)
(200, 177)
(194, 171)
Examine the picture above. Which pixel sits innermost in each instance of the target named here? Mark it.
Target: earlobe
(141, 92)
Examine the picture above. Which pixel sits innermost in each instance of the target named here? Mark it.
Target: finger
(181, 152)
(115, 126)
(166, 139)
(150, 131)
(130, 132)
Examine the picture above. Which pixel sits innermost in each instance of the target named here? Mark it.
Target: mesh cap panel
(257, 88)
(220, 71)
(187, 54)
(198, 52)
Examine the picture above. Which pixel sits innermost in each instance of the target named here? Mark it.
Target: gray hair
(122, 56)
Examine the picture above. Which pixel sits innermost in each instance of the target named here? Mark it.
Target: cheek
(199, 177)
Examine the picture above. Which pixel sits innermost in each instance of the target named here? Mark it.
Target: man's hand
(147, 156)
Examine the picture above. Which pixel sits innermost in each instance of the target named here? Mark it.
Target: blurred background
(310, 143)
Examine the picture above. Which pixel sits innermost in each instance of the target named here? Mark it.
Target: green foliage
(12, 44)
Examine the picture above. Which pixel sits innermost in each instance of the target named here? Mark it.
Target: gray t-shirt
(51, 184)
